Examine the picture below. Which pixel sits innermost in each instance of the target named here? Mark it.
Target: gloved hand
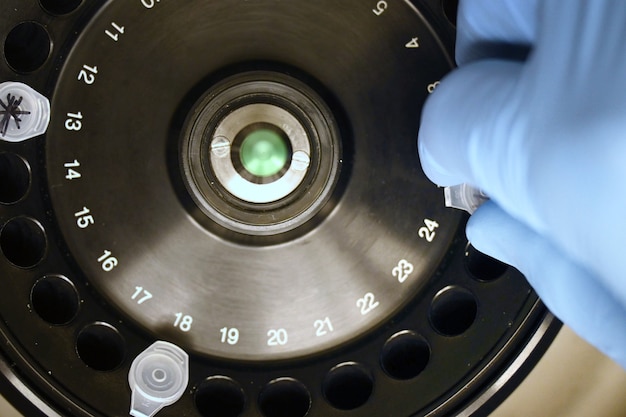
(545, 137)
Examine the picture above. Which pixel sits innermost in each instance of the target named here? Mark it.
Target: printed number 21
(428, 231)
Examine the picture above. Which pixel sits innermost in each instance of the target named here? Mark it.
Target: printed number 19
(230, 336)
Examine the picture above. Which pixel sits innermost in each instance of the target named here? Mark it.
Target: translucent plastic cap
(464, 197)
(158, 377)
(24, 113)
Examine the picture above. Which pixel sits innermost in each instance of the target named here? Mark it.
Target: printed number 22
(367, 303)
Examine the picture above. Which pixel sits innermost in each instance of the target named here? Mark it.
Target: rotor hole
(483, 267)
(60, 7)
(23, 242)
(219, 396)
(453, 311)
(285, 397)
(14, 178)
(348, 386)
(27, 47)
(101, 347)
(405, 355)
(55, 299)
(450, 10)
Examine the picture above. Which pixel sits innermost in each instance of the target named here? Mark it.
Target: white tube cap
(24, 113)
(464, 197)
(158, 377)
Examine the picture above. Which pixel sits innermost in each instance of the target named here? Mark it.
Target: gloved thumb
(569, 290)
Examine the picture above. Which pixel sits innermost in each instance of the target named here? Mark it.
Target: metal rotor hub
(261, 153)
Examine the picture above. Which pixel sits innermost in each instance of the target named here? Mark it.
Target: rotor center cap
(264, 153)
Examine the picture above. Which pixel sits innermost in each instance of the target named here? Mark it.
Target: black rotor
(337, 283)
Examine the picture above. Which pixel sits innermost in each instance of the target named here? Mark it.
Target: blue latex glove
(545, 138)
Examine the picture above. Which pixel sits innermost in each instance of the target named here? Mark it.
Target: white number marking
(183, 322)
(428, 231)
(381, 6)
(230, 336)
(323, 327)
(108, 262)
(149, 4)
(141, 295)
(367, 303)
(83, 218)
(115, 36)
(277, 337)
(88, 74)
(432, 87)
(403, 270)
(73, 122)
(72, 174)
(413, 43)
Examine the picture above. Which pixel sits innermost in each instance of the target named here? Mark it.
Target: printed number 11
(115, 36)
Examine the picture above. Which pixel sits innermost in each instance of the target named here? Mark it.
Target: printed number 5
(428, 230)
(381, 6)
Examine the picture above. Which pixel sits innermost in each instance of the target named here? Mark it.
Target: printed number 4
(428, 230)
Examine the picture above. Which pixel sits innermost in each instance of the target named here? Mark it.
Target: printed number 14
(428, 231)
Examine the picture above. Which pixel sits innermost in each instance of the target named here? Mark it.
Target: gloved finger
(463, 123)
(543, 138)
(488, 29)
(569, 291)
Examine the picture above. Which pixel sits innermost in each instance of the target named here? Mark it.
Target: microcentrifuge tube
(24, 113)
(158, 377)
(464, 197)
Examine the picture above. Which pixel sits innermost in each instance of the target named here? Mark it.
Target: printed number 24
(428, 231)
